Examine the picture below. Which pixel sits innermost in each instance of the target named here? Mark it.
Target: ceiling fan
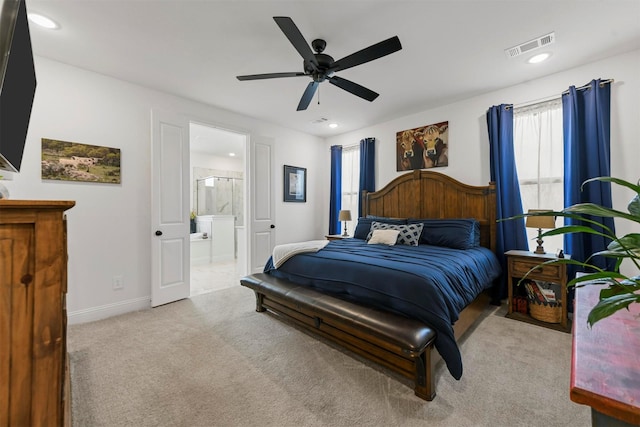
(320, 66)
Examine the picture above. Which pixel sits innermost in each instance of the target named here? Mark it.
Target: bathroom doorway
(218, 208)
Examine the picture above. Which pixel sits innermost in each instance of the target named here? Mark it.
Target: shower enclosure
(219, 195)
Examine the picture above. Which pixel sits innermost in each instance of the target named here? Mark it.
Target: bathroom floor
(215, 276)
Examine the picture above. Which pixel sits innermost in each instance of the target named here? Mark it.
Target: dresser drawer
(520, 267)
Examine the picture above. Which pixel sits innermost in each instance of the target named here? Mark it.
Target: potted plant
(192, 222)
(621, 290)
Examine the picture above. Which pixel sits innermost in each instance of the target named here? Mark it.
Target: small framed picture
(295, 184)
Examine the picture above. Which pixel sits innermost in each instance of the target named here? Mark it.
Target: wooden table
(605, 366)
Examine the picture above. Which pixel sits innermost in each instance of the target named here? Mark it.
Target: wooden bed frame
(401, 344)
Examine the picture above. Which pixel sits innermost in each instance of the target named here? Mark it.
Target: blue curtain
(586, 126)
(367, 168)
(335, 201)
(509, 234)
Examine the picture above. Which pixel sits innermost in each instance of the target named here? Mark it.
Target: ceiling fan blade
(296, 38)
(353, 88)
(370, 53)
(307, 96)
(268, 76)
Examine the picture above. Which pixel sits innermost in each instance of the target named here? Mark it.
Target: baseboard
(108, 310)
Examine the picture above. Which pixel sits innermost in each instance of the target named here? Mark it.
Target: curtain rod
(551, 98)
(349, 147)
(536, 102)
(588, 85)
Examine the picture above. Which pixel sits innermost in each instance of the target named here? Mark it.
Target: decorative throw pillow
(457, 233)
(364, 225)
(408, 234)
(383, 237)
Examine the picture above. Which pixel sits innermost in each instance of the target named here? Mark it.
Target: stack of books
(546, 293)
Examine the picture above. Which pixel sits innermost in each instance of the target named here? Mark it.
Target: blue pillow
(452, 233)
(364, 225)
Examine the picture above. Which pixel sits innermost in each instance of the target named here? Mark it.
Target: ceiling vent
(530, 45)
(320, 120)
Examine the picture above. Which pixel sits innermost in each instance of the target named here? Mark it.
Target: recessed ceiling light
(333, 125)
(43, 21)
(538, 58)
(232, 154)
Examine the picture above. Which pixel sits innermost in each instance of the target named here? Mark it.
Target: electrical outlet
(118, 282)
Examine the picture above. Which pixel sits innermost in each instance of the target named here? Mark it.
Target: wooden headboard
(426, 194)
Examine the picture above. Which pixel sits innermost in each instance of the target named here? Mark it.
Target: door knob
(272, 226)
(158, 233)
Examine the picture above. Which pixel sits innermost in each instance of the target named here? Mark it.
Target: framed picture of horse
(423, 147)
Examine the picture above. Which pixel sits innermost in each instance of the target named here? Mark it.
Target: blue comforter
(429, 283)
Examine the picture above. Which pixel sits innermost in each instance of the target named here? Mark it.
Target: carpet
(211, 360)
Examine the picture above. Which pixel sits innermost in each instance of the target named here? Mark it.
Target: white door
(170, 266)
(263, 218)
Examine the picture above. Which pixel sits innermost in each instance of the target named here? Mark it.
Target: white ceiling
(217, 142)
(452, 49)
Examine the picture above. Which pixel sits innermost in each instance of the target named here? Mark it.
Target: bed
(394, 304)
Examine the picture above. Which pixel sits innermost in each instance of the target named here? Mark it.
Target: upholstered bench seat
(399, 343)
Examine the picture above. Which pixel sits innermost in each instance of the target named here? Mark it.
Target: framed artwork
(423, 147)
(71, 161)
(295, 184)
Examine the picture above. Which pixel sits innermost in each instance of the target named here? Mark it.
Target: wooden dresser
(33, 317)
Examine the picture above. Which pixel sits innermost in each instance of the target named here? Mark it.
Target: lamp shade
(546, 221)
(344, 215)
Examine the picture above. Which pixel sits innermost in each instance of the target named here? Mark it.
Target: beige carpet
(213, 361)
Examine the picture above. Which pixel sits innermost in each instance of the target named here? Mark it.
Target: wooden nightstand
(335, 237)
(518, 264)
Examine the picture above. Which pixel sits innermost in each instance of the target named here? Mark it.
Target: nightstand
(518, 264)
(335, 237)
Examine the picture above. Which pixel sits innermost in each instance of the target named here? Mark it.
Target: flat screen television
(17, 84)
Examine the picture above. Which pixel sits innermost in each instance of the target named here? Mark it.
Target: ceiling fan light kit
(320, 66)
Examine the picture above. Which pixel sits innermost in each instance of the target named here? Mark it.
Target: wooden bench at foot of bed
(398, 343)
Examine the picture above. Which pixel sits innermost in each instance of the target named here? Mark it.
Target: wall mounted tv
(18, 84)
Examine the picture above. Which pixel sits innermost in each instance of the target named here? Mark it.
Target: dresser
(33, 318)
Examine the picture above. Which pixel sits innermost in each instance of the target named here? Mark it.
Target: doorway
(218, 208)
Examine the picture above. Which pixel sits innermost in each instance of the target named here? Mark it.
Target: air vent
(320, 120)
(537, 43)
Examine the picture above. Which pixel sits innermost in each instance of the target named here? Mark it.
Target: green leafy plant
(621, 291)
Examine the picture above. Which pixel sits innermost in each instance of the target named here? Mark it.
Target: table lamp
(344, 216)
(540, 222)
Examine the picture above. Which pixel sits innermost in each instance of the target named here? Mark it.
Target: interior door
(170, 250)
(263, 218)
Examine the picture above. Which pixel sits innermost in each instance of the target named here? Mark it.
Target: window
(537, 137)
(350, 184)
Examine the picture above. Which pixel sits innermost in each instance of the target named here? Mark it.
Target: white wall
(468, 138)
(109, 230)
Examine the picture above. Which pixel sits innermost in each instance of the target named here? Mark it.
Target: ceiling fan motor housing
(324, 63)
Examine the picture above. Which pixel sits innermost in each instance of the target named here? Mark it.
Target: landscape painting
(423, 147)
(71, 161)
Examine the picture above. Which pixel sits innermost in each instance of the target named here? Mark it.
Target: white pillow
(384, 237)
